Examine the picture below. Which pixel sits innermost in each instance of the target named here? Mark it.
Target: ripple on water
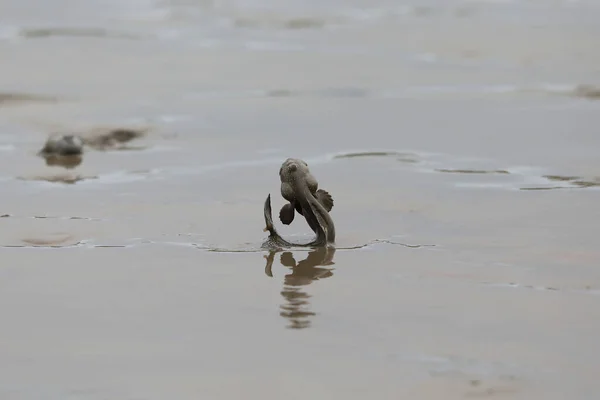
(587, 289)
(259, 248)
(530, 182)
(15, 98)
(57, 239)
(332, 92)
(64, 178)
(46, 240)
(411, 91)
(585, 91)
(281, 22)
(405, 157)
(473, 171)
(553, 182)
(80, 32)
(510, 178)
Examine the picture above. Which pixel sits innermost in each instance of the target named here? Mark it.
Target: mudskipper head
(292, 169)
(295, 172)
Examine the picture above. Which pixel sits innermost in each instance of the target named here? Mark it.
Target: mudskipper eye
(293, 168)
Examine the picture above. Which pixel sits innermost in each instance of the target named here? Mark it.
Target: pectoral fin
(286, 215)
(325, 199)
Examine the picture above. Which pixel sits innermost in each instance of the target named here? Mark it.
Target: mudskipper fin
(286, 215)
(325, 199)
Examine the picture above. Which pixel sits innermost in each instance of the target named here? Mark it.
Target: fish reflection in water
(296, 304)
(68, 162)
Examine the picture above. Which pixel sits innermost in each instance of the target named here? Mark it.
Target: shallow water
(458, 139)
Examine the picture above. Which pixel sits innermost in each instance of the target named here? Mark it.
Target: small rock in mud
(62, 145)
(62, 150)
(66, 150)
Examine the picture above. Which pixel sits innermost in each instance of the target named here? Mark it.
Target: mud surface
(459, 140)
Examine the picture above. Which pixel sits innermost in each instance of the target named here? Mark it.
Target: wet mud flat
(459, 143)
(448, 278)
(185, 310)
(155, 287)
